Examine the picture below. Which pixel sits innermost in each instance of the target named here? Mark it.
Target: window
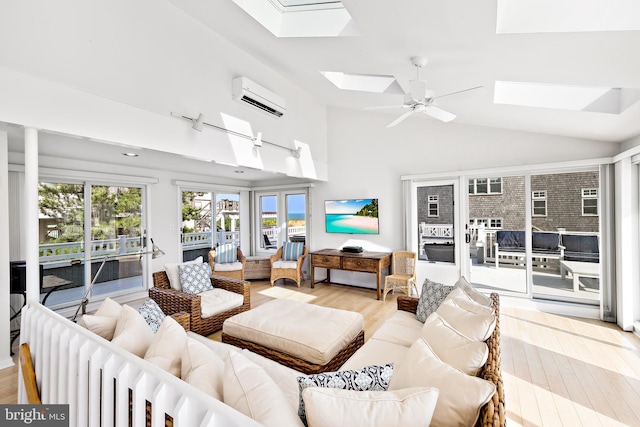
(487, 222)
(485, 186)
(589, 201)
(495, 222)
(433, 206)
(539, 203)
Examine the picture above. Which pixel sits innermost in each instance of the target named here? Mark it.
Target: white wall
(115, 70)
(367, 160)
(5, 358)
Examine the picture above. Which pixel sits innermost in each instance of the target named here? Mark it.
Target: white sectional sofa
(424, 388)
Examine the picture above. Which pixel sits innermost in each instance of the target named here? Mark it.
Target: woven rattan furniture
(294, 274)
(173, 301)
(234, 274)
(316, 339)
(403, 273)
(493, 414)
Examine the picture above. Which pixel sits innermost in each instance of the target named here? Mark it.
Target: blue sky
(295, 203)
(345, 206)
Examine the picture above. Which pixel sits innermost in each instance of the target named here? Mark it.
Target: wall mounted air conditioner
(250, 92)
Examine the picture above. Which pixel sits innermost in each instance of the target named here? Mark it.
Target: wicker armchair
(172, 301)
(234, 274)
(492, 414)
(294, 274)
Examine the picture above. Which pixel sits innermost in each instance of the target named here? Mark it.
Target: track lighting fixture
(199, 122)
(296, 153)
(257, 140)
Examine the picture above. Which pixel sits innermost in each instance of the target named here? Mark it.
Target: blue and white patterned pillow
(226, 253)
(291, 251)
(195, 278)
(432, 295)
(152, 313)
(369, 378)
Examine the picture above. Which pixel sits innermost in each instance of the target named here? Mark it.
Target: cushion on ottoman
(310, 332)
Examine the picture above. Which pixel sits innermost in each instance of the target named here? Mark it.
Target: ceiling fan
(420, 99)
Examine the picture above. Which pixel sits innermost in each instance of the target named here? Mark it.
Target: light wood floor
(557, 370)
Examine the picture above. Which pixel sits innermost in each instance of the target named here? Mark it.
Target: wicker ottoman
(306, 337)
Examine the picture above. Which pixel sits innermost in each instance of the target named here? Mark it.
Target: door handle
(467, 238)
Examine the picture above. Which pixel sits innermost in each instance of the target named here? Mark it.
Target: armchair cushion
(285, 264)
(195, 278)
(174, 274)
(291, 251)
(226, 253)
(227, 266)
(216, 300)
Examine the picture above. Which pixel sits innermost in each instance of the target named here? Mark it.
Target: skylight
(361, 82)
(558, 16)
(576, 98)
(301, 18)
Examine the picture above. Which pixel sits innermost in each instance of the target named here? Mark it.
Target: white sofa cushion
(248, 389)
(374, 377)
(376, 352)
(202, 368)
(285, 264)
(477, 327)
(478, 297)
(103, 321)
(452, 347)
(327, 407)
(461, 395)
(132, 332)
(402, 328)
(174, 275)
(311, 332)
(465, 301)
(165, 350)
(227, 266)
(218, 300)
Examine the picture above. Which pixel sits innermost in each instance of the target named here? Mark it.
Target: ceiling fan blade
(439, 113)
(460, 91)
(401, 118)
(417, 89)
(385, 107)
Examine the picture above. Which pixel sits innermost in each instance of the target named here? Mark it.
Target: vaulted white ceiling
(460, 41)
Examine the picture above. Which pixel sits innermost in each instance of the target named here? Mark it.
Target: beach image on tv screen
(354, 216)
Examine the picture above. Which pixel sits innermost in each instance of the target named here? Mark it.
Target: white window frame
(590, 194)
(538, 196)
(433, 200)
(473, 186)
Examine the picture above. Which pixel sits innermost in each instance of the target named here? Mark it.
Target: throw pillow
(452, 347)
(475, 326)
(202, 368)
(328, 407)
(461, 298)
(195, 278)
(165, 350)
(461, 395)
(478, 297)
(248, 389)
(152, 313)
(291, 251)
(103, 322)
(373, 377)
(132, 332)
(432, 295)
(226, 253)
(174, 274)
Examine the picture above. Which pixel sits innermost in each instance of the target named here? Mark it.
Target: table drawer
(325, 261)
(360, 264)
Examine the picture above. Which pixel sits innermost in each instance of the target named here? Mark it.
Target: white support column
(5, 325)
(626, 220)
(31, 212)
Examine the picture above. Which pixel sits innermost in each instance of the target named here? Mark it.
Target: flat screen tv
(352, 216)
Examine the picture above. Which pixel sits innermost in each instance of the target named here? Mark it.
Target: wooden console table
(366, 262)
